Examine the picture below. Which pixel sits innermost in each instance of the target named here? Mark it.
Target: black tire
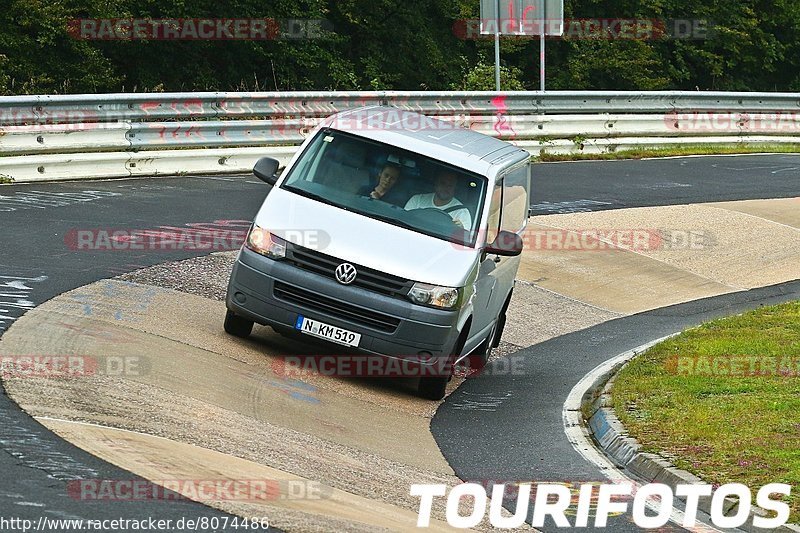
(477, 359)
(432, 388)
(435, 387)
(237, 326)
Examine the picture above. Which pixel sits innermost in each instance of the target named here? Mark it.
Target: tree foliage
(394, 45)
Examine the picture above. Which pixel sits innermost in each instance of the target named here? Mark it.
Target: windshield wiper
(396, 222)
(307, 194)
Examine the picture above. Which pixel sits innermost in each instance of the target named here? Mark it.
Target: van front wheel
(237, 326)
(483, 352)
(432, 388)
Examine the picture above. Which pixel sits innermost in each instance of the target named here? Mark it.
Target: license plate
(326, 331)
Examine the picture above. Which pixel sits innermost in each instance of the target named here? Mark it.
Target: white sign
(523, 17)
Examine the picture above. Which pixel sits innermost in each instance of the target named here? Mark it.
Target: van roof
(428, 136)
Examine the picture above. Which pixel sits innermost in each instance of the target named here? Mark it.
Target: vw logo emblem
(346, 273)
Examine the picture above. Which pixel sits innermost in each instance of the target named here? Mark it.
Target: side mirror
(507, 243)
(266, 170)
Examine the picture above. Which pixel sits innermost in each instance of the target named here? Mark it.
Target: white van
(390, 234)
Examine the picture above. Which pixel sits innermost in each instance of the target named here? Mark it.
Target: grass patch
(725, 428)
(699, 149)
(6, 179)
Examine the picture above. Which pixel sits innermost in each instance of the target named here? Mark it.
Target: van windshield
(386, 183)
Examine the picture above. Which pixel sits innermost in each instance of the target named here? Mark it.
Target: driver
(443, 197)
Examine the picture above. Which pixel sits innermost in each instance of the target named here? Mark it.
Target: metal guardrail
(134, 136)
(35, 131)
(178, 106)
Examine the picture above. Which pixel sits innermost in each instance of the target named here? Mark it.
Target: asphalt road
(37, 264)
(508, 427)
(591, 186)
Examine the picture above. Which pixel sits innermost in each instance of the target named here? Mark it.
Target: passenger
(443, 197)
(382, 190)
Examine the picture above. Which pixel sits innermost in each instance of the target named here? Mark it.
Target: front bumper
(258, 290)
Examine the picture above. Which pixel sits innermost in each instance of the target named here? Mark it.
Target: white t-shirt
(422, 201)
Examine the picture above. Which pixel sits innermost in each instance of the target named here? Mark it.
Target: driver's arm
(462, 218)
(412, 203)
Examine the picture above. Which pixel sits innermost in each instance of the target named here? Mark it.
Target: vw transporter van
(389, 234)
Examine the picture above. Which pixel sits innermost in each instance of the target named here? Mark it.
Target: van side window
(494, 213)
(307, 168)
(515, 205)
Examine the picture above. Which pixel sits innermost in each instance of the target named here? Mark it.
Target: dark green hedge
(393, 44)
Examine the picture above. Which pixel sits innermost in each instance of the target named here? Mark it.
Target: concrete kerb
(609, 434)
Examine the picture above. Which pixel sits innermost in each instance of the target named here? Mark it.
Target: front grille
(367, 278)
(335, 308)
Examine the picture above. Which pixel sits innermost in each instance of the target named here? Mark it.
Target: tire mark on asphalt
(15, 292)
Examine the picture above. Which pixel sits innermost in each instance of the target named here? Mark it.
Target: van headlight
(265, 243)
(435, 296)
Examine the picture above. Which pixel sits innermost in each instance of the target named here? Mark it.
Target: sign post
(497, 45)
(541, 45)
